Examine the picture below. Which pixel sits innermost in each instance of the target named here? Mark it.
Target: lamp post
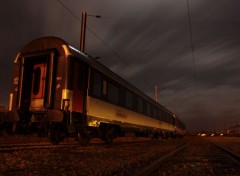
(83, 30)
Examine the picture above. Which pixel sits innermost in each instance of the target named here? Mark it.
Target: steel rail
(16, 147)
(156, 164)
(9, 147)
(232, 154)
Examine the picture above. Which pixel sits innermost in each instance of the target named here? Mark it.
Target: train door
(78, 88)
(38, 85)
(36, 82)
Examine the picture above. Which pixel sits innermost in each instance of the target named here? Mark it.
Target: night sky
(195, 64)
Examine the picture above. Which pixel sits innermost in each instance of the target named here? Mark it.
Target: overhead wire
(192, 46)
(104, 43)
(69, 10)
(112, 50)
(169, 21)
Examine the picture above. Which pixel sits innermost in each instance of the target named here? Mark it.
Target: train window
(161, 115)
(173, 120)
(97, 84)
(122, 96)
(144, 107)
(151, 110)
(80, 79)
(135, 102)
(104, 90)
(129, 99)
(148, 109)
(36, 80)
(167, 118)
(155, 112)
(140, 105)
(113, 94)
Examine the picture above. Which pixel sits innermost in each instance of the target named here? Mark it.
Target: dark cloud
(147, 43)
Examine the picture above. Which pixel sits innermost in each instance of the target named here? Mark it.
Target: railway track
(119, 158)
(200, 157)
(32, 146)
(28, 145)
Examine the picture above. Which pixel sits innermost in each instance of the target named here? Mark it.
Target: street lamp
(83, 30)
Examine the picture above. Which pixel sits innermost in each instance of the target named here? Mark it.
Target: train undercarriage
(60, 131)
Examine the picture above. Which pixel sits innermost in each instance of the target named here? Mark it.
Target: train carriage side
(114, 104)
(58, 88)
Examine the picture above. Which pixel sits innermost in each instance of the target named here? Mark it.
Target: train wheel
(41, 132)
(82, 139)
(56, 134)
(109, 134)
(54, 137)
(108, 140)
(154, 135)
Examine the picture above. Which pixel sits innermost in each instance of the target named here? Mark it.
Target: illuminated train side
(50, 75)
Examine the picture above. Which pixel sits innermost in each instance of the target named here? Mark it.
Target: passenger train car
(58, 89)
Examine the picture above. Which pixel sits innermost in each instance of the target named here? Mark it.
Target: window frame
(108, 91)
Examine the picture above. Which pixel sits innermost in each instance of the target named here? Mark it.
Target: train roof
(63, 48)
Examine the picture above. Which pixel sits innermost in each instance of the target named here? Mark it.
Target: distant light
(221, 134)
(203, 134)
(212, 134)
